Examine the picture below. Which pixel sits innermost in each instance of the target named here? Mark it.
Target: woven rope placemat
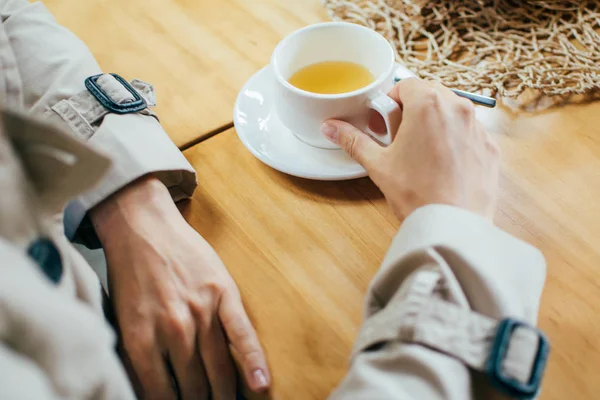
(530, 51)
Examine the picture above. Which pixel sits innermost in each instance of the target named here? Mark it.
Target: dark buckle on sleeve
(137, 105)
(494, 371)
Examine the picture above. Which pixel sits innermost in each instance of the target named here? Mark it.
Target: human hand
(440, 155)
(177, 307)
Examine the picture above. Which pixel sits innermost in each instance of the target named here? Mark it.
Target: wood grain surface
(303, 252)
(197, 53)
(549, 197)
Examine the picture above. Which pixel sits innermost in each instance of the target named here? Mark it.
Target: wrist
(143, 200)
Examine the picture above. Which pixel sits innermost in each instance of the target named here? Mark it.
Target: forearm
(53, 62)
(53, 65)
(485, 271)
(129, 211)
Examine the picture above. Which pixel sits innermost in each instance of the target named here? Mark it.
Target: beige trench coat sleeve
(485, 270)
(53, 65)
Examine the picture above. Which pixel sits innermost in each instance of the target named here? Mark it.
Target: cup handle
(392, 115)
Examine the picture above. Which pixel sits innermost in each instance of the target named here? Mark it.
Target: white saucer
(261, 131)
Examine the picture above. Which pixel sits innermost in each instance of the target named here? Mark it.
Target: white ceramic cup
(303, 112)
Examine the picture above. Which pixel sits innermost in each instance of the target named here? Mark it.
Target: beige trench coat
(54, 342)
(432, 311)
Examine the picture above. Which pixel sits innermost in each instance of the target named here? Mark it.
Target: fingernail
(259, 380)
(330, 131)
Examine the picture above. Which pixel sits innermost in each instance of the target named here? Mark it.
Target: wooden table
(303, 252)
(197, 53)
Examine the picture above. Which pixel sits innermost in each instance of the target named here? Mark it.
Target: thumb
(360, 146)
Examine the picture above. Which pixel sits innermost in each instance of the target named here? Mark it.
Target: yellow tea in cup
(332, 77)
